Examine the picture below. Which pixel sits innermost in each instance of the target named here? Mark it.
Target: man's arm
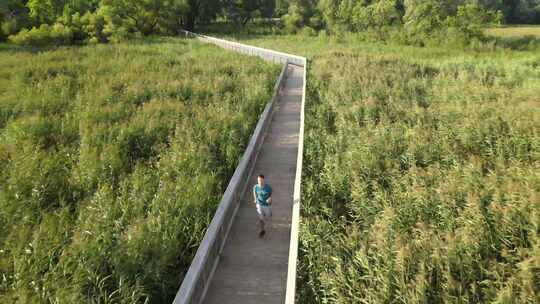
(269, 200)
(254, 195)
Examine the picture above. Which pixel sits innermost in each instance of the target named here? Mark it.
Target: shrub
(433, 21)
(292, 22)
(8, 27)
(422, 19)
(316, 22)
(376, 15)
(470, 20)
(94, 26)
(308, 31)
(57, 34)
(87, 28)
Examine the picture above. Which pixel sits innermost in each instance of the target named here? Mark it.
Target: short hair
(261, 176)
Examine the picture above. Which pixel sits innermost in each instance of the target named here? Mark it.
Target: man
(262, 194)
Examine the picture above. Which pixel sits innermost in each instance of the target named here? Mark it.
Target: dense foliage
(115, 20)
(516, 11)
(103, 20)
(361, 14)
(408, 21)
(37, 22)
(420, 181)
(112, 162)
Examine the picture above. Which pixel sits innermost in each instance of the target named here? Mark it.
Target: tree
(302, 13)
(200, 11)
(135, 15)
(360, 14)
(282, 7)
(515, 11)
(470, 20)
(13, 17)
(174, 15)
(241, 11)
(376, 15)
(336, 14)
(45, 11)
(80, 6)
(437, 19)
(527, 11)
(267, 8)
(423, 18)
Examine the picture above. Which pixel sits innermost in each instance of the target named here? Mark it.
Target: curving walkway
(232, 264)
(251, 269)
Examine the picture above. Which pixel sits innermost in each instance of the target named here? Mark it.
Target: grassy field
(515, 31)
(421, 177)
(112, 161)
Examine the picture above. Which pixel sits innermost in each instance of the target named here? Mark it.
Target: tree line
(65, 21)
(72, 21)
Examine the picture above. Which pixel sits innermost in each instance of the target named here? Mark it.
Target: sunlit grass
(420, 180)
(515, 31)
(112, 161)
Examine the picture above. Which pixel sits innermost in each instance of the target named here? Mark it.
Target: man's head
(260, 180)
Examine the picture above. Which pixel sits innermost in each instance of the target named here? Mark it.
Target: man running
(262, 194)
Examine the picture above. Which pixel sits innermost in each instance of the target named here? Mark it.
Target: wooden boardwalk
(253, 269)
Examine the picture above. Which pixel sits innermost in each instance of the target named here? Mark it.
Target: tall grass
(516, 37)
(420, 180)
(112, 161)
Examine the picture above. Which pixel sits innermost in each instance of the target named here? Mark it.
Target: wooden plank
(252, 268)
(286, 133)
(202, 260)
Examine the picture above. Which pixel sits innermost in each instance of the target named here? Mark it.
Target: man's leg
(261, 230)
(266, 213)
(260, 222)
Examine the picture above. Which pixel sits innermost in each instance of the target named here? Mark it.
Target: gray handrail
(201, 270)
(295, 220)
(266, 54)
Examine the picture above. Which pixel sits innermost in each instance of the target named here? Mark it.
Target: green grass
(515, 31)
(420, 181)
(518, 37)
(112, 161)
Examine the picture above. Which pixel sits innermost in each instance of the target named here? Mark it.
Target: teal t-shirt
(262, 193)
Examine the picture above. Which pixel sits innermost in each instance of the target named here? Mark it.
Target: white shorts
(265, 212)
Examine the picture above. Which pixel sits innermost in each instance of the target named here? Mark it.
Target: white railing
(295, 219)
(199, 275)
(266, 54)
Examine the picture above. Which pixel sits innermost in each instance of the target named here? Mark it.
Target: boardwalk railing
(295, 220)
(266, 54)
(199, 275)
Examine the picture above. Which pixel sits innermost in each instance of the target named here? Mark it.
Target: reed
(112, 161)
